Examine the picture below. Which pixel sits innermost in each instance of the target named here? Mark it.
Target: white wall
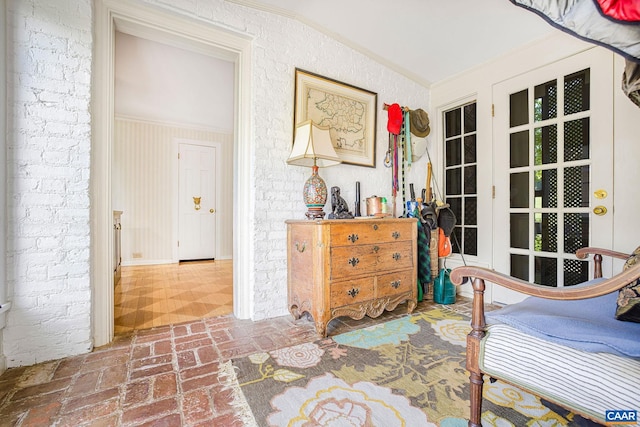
(3, 188)
(48, 172)
(626, 174)
(478, 83)
(49, 259)
(162, 83)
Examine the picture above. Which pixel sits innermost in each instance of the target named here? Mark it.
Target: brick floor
(166, 376)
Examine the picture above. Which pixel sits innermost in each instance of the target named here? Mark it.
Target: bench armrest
(582, 253)
(569, 293)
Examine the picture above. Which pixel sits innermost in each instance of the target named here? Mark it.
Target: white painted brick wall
(48, 159)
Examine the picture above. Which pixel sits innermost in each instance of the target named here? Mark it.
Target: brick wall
(50, 45)
(48, 237)
(3, 184)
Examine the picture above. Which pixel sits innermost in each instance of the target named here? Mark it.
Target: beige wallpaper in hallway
(145, 174)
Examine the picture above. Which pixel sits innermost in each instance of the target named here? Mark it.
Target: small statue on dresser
(339, 207)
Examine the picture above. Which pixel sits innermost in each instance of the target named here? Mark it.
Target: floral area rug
(405, 372)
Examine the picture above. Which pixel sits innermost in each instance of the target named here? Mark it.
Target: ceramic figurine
(339, 207)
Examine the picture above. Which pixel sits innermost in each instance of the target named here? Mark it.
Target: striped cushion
(587, 383)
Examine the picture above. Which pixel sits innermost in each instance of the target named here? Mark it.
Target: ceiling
(426, 40)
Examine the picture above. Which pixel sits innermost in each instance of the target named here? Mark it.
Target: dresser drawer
(368, 259)
(370, 231)
(351, 291)
(394, 256)
(300, 261)
(394, 283)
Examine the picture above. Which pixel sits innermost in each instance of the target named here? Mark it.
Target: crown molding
(265, 8)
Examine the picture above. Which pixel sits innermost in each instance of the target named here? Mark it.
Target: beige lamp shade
(312, 146)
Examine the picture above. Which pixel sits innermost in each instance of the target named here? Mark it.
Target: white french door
(197, 202)
(553, 146)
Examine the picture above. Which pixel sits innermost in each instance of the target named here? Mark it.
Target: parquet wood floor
(157, 295)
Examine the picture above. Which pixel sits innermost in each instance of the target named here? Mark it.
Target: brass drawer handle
(353, 292)
(354, 261)
(395, 284)
(395, 235)
(375, 226)
(352, 238)
(397, 256)
(376, 248)
(300, 247)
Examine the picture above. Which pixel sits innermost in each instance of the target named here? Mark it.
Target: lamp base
(315, 195)
(314, 213)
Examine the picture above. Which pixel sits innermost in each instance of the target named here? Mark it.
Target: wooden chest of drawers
(353, 267)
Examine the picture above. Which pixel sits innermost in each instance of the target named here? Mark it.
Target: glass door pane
(535, 170)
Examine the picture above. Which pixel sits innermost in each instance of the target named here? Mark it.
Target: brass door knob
(212, 210)
(600, 210)
(600, 194)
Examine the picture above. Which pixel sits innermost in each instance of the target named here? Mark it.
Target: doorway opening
(173, 155)
(154, 24)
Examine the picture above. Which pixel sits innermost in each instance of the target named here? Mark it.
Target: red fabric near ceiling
(622, 10)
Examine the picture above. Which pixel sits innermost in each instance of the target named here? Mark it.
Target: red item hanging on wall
(394, 123)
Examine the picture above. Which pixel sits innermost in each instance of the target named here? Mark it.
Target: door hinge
(178, 156)
(493, 191)
(178, 243)
(493, 110)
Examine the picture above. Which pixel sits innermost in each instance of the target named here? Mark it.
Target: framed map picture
(348, 111)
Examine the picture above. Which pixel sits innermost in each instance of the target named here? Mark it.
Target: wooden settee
(585, 382)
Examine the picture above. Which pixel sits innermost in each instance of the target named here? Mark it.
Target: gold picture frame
(348, 111)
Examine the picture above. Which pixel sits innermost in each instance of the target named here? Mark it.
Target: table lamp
(312, 147)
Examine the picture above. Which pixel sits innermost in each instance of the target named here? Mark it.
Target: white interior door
(197, 202)
(553, 146)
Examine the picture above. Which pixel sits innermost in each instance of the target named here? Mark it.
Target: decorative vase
(315, 195)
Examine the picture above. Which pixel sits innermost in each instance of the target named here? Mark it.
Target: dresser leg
(295, 312)
(411, 305)
(321, 328)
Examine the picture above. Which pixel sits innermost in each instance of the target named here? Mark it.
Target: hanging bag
(444, 244)
(446, 224)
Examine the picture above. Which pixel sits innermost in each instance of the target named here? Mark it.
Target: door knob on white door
(600, 210)
(212, 210)
(600, 194)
